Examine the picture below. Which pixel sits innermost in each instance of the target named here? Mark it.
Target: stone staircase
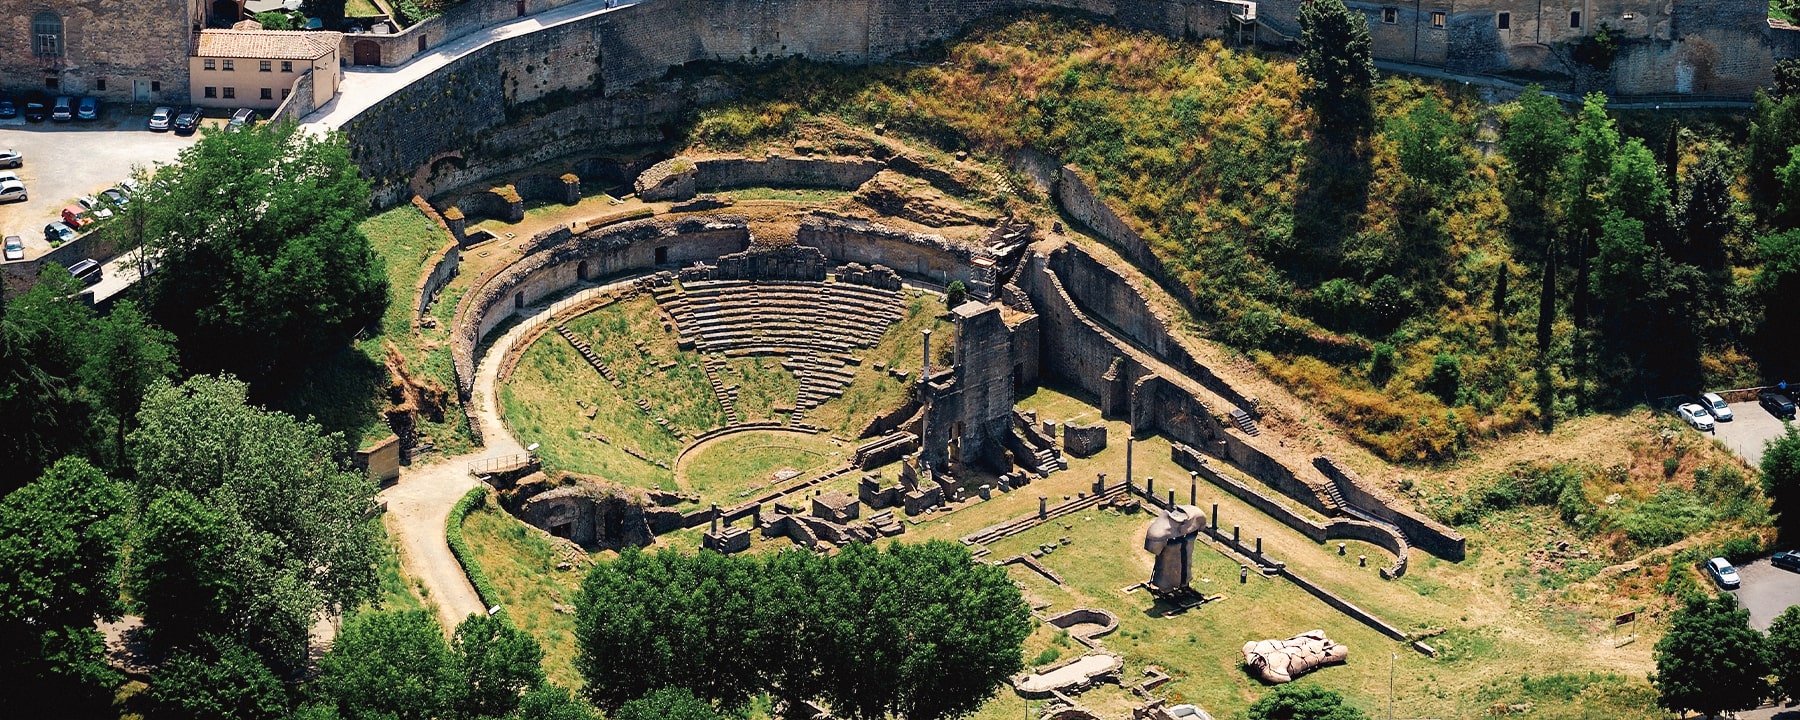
(727, 395)
(587, 353)
(1245, 423)
(822, 376)
(1049, 461)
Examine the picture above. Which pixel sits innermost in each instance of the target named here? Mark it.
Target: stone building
(249, 67)
(118, 52)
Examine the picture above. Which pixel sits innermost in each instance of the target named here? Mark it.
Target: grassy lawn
(398, 592)
(729, 470)
(360, 8)
(762, 384)
(553, 388)
(790, 194)
(521, 562)
(875, 392)
(1778, 12)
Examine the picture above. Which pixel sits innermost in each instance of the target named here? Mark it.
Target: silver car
(15, 248)
(10, 158)
(1696, 416)
(161, 117)
(12, 191)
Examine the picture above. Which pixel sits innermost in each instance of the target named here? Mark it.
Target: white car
(12, 191)
(1723, 573)
(1696, 416)
(1716, 405)
(15, 248)
(11, 158)
(94, 207)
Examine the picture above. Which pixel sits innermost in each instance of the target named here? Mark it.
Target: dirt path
(419, 504)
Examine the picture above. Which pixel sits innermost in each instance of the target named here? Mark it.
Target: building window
(47, 34)
(230, 93)
(1575, 18)
(212, 92)
(266, 66)
(209, 64)
(155, 86)
(1437, 20)
(51, 83)
(230, 66)
(100, 84)
(284, 93)
(1390, 15)
(268, 94)
(1503, 21)
(287, 66)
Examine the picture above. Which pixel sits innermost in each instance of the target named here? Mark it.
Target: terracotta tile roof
(266, 44)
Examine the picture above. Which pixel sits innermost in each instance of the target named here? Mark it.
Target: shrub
(475, 498)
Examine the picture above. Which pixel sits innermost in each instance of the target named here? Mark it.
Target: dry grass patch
(520, 562)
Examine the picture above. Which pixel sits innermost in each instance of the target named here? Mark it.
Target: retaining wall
(557, 260)
(935, 258)
(1429, 535)
(440, 269)
(22, 274)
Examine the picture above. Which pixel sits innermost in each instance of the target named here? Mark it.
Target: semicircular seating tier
(816, 326)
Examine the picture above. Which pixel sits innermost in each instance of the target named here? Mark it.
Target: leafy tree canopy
(497, 663)
(254, 526)
(60, 541)
(667, 704)
(1781, 474)
(217, 680)
(45, 415)
(1303, 702)
(1338, 62)
(389, 665)
(260, 264)
(1711, 661)
(1784, 652)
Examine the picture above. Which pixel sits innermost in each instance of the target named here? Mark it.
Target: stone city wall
(779, 171)
(20, 275)
(556, 260)
(459, 20)
(299, 102)
(1429, 535)
(1784, 39)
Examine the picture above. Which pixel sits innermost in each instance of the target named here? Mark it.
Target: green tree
(1536, 143)
(1337, 61)
(1778, 282)
(60, 542)
(1706, 213)
(549, 702)
(218, 680)
(1431, 146)
(1781, 474)
(497, 664)
(329, 12)
(1710, 660)
(1774, 131)
(667, 704)
(956, 293)
(389, 665)
(1303, 702)
(125, 355)
(262, 530)
(918, 631)
(261, 266)
(46, 416)
(651, 620)
(275, 21)
(1784, 652)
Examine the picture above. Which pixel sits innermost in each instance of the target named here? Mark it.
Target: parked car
(11, 158)
(12, 191)
(1723, 573)
(58, 233)
(75, 217)
(243, 118)
(116, 196)
(88, 271)
(1786, 560)
(1696, 416)
(63, 110)
(36, 110)
(129, 185)
(8, 110)
(1777, 404)
(87, 109)
(94, 207)
(15, 248)
(187, 122)
(161, 118)
(1717, 406)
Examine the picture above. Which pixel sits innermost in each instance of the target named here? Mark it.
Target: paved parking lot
(1751, 426)
(1766, 591)
(66, 160)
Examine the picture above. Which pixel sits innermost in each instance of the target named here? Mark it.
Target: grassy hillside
(1401, 308)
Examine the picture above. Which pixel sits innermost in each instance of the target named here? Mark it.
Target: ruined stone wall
(120, 43)
(934, 258)
(440, 269)
(555, 260)
(1784, 39)
(779, 171)
(1427, 534)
